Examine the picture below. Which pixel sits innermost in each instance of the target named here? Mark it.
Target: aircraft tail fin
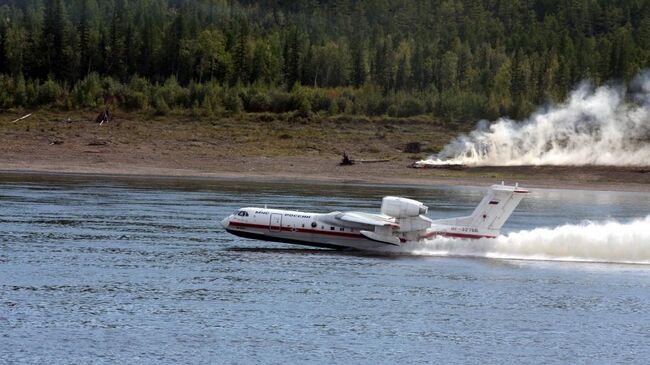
(493, 211)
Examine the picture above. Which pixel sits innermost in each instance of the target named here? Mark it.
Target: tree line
(450, 58)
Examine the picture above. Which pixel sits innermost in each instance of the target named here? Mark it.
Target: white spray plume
(603, 126)
(611, 242)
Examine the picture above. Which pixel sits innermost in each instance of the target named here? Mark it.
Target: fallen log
(450, 166)
(21, 118)
(375, 160)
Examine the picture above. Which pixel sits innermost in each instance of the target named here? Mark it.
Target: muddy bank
(269, 149)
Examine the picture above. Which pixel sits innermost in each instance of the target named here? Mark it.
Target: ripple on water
(114, 271)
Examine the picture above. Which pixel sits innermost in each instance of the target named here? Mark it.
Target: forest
(451, 59)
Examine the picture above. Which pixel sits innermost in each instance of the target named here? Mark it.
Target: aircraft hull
(306, 237)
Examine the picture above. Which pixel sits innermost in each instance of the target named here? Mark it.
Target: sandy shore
(272, 151)
(544, 179)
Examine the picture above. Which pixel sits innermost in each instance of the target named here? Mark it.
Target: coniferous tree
(382, 67)
(240, 55)
(292, 59)
(359, 68)
(84, 38)
(147, 53)
(3, 57)
(53, 38)
(450, 54)
(117, 64)
(170, 61)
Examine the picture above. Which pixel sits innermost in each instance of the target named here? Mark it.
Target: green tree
(448, 74)
(383, 64)
(623, 54)
(213, 60)
(240, 56)
(14, 47)
(359, 66)
(83, 28)
(3, 56)
(379, 56)
(117, 63)
(292, 60)
(54, 38)
(500, 99)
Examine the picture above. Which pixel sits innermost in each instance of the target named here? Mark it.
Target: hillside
(454, 60)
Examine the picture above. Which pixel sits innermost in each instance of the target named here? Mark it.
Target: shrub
(410, 107)
(160, 105)
(304, 109)
(344, 105)
(232, 102)
(259, 103)
(88, 92)
(48, 92)
(280, 101)
(6, 99)
(174, 94)
(376, 103)
(333, 109)
(196, 93)
(455, 104)
(135, 100)
(300, 100)
(20, 92)
(32, 92)
(319, 100)
(212, 102)
(392, 110)
(111, 87)
(138, 83)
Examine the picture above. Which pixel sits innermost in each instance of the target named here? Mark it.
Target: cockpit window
(242, 213)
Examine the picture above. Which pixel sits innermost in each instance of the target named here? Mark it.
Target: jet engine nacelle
(402, 207)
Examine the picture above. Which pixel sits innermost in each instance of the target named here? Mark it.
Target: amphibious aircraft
(399, 222)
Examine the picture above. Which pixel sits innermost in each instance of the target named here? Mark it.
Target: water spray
(610, 241)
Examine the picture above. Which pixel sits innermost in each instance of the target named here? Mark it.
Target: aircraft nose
(225, 221)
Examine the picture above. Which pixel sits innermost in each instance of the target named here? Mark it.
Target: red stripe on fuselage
(292, 229)
(456, 235)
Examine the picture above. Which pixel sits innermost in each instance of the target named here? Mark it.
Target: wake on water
(603, 126)
(611, 242)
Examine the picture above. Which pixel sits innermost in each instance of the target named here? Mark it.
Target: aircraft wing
(367, 218)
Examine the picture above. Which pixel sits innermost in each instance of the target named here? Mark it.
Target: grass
(252, 134)
(267, 144)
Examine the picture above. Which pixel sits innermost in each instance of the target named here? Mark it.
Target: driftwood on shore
(103, 117)
(21, 118)
(450, 166)
(373, 160)
(346, 161)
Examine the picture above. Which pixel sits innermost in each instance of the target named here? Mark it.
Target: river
(117, 270)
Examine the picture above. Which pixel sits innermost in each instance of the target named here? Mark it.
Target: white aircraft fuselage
(401, 221)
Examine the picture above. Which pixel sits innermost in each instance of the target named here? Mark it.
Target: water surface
(138, 271)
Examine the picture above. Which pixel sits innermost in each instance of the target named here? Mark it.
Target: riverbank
(267, 147)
